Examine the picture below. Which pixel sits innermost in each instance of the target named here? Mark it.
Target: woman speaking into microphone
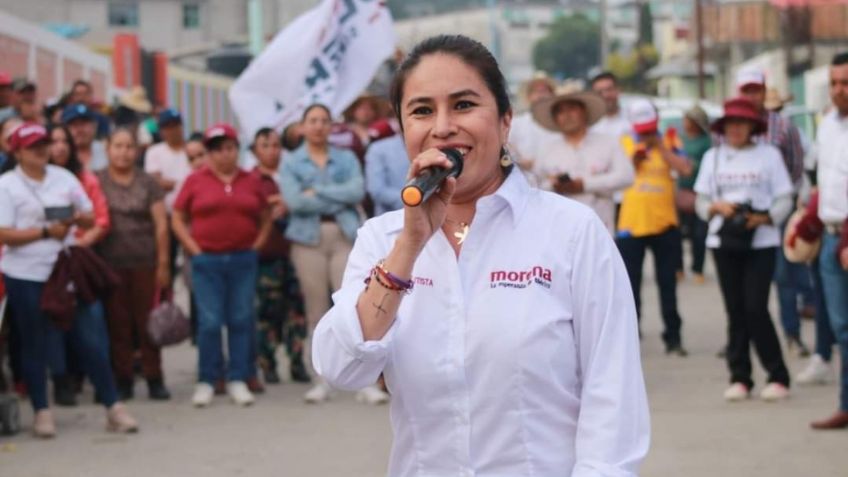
(501, 316)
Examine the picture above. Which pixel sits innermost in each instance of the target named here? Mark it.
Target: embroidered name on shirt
(423, 282)
(522, 279)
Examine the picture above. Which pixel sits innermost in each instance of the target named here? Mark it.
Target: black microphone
(422, 186)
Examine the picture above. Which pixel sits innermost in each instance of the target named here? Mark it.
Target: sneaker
(818, 371)
(795, 346)
(676, 350)
(318, 394)
(119, 420)
(157, 391)
(203, 394)
(270, 375)
(699, 278)
(239, 393)
(43, 426)
(126, 389)
(737, 392)
(372, 395)
(299, 374)
(774, 392)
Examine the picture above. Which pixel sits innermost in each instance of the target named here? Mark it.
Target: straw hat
(698, 116)
(543, 111)
(538, 77)
(774, 100)
(136, 99)
(802, 251)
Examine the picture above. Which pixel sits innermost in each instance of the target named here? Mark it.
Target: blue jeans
(824, 333)
(224, 287)
(792, 280)
(39, 339)
(835, 285)
(665, 248)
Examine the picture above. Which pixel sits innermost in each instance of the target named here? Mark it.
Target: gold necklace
(462, 233)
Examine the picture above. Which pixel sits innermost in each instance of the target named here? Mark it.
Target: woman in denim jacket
(322, 186)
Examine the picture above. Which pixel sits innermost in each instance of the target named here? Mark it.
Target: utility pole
(255, 27)
(604, 34)
(699, 33)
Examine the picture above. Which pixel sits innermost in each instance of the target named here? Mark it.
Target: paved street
(695, 433)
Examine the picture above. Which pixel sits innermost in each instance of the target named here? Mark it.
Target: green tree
(646, 24)
(571, 47)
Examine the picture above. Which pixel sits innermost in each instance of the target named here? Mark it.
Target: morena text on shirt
(521, 279)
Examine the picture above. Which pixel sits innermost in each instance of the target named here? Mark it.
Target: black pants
(694, 229)
(664, 248)
(745, 281)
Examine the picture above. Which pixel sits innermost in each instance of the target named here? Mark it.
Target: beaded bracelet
(394, 279)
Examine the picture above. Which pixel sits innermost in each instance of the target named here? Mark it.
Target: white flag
(327, 55)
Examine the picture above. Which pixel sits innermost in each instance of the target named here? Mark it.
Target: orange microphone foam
(411, 196)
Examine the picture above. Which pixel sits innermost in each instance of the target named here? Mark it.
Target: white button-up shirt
(598, 160)
(832, 158)
(520, 357)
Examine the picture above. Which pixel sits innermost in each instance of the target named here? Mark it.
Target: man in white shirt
(526, 135)
(614, 122)
(167, 161)
(832, 149)
(81, 122)
(581, 164)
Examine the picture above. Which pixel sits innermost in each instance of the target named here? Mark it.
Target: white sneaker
(372, 395)
(818, 371)
(203, 394)
(774, 392)
(318, 394)
(736, 392)
(239, 393)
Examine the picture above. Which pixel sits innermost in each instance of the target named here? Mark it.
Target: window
(123, 14)
(191, 16)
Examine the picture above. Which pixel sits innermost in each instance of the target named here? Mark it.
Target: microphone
(422, 186)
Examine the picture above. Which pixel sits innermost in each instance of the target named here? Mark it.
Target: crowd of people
(261, 232)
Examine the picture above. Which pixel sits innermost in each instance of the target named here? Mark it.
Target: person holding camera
(744, 190)
(648, 216)
(40, 207)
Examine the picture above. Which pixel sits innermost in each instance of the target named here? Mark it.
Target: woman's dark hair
(471, 52)
(122, 130)
(264, 132)
(290, 144)
(73, 165)
(314, 106)
(196, 136)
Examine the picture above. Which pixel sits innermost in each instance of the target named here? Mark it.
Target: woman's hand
(755, 220)
(163, 276)
(58, 230)
(724, 209)
(843, 258)
(421, 222)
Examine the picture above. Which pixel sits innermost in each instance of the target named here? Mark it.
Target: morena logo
(521, 279)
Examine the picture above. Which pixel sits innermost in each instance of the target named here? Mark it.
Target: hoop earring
(506, 158)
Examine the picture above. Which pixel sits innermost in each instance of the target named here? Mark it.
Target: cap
(750, 76)
(222, 130)
(5, 79)
(27, 135)
(643, 115)
(381, 129)
(77, 111)
(22, 84)
(169, 116)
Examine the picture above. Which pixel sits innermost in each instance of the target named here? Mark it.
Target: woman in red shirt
(230, 221)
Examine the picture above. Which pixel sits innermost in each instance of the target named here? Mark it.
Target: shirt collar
(513, 193)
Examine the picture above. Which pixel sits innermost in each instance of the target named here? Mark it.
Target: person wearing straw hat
(648, 217)
(744, 191)
(696, 141)
(526, 135)
(587, 166)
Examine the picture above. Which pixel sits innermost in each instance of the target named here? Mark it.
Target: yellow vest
(647, 207)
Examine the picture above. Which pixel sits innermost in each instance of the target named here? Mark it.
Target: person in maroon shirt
(280, 306)
(230, 221)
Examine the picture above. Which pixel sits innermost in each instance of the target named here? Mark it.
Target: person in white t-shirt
(40, 205)
(167, 161)
(526, 135)
(614, 122)
(743, 191)
(586, 166)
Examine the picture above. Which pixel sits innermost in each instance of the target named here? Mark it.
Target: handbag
(167, 324)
